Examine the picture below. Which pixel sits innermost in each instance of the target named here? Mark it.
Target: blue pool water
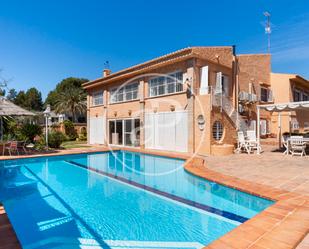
(118, 200)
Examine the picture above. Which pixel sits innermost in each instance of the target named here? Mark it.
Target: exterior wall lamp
(201, 122)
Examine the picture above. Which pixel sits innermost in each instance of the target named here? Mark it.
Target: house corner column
(191, 85)
(142, 113)
(88, 119)
(105, 102)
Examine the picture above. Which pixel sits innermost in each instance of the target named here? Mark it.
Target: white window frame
(267, 94)
(124, 132)
(124, 91)
(163, 84)
(97, 96)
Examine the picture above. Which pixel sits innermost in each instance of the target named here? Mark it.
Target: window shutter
(218, 89)
(204, 81)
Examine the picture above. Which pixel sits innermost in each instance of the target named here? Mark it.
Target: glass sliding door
(136, 123)
(115, 132)
(119, 132)
(132, 132)
(124, 132)
(128, 139)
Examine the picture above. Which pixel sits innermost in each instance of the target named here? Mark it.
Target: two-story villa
(192, 100)
(184, 101)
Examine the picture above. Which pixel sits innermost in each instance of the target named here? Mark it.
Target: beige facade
(189, 62)
(208, 120)
(254, 80)
(285, 88)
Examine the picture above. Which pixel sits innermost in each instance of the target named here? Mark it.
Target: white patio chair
(252, 141)
(242, 143)
(298, 146)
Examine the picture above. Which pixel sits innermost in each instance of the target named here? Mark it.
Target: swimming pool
(118, 200)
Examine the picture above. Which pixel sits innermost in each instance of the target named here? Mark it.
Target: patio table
(305, 139)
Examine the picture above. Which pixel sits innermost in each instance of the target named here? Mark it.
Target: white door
(181, 133)
(167, 131)
(97, 130)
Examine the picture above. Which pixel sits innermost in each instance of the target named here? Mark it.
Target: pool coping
(280, 226)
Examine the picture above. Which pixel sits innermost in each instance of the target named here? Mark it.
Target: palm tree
(72, 100)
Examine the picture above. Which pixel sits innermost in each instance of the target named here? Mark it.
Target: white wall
(167, 131)
(97, 130)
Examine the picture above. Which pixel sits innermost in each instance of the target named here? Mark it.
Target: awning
(7, 108)
(282, 107)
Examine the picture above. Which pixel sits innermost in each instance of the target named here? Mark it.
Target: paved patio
(270, 168)
(271, 175)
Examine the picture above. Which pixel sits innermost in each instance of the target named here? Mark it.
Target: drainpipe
(235, 77)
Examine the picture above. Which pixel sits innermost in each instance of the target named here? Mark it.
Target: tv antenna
(267, 29)
(106, 65)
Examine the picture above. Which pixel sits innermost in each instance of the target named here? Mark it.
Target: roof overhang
(300, 80)
(211, 55)
(177, 56)
(283, 107)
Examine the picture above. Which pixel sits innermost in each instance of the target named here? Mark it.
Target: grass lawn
(74, 144)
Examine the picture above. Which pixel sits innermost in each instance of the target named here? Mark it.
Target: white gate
(167, 131)
(97, 130)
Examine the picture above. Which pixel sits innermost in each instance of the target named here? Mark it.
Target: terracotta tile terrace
(271, 175)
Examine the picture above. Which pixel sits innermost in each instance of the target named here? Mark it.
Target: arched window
(217, 130)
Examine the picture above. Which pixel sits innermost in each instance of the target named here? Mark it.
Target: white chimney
(106, 72)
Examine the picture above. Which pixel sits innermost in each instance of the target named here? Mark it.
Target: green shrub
(10, 128)
(69, 130)
(55, 139)
(40, 144)
(30, 131)
(82, 137)
(83, 134)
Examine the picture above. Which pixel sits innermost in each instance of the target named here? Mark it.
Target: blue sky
(42, 42)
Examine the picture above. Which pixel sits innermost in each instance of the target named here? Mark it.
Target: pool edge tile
(271, 223)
